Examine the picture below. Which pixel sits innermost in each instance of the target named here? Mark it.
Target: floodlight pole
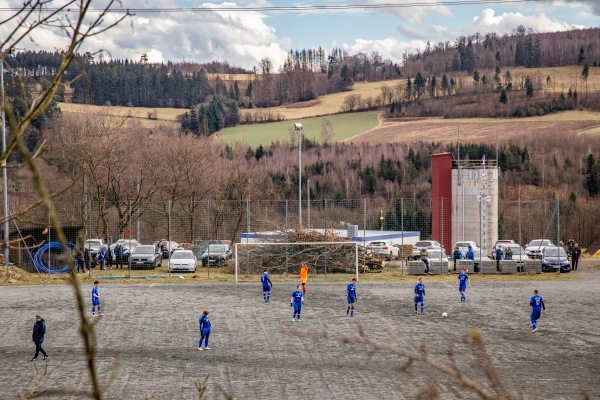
(4, 174)
(298, 128)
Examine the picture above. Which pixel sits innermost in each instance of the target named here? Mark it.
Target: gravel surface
(150, 334)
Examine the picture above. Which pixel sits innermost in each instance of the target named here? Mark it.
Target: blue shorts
(535, 315)
(419, 299)
(95, 302)
(297, 306)
(205, 332)
(462, 288)
(351, 300)
(266, 288)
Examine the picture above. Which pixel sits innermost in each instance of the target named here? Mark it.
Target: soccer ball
(444, 314)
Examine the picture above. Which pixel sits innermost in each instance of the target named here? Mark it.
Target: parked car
(554, 259)
(93, 246)
(504, 241)
(463, 246)
(383, 248)
(424, 244)
(145, 256)
(535, 248)
(182, 260)
(217, 254)
(438, 254)
(168, 247)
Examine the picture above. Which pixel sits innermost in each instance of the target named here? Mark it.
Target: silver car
(182, 260)
(535, 248)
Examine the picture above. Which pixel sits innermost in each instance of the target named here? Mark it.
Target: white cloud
(488, 21)
(412, 14)
(241, 38)
(388, 48)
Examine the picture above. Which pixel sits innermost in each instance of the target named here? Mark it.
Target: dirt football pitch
(148, 337)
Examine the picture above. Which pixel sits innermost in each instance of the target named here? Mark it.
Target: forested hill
(522, 47)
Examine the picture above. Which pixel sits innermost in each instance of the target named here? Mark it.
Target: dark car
(554, 259)
(145, 256)
(217, 254)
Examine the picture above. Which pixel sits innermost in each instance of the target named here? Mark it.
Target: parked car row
(554, 258)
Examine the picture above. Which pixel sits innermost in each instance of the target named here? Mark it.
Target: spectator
(570, 245)
(108, 255)
(118, 253)
(425, 259)
(509, 253)
(575, 255)
(456, 255)
(470, 254)
(79, 261)
(159, 247)
(102, 256)
(498, 256)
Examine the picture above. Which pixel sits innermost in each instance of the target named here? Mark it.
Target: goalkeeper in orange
(303, 277)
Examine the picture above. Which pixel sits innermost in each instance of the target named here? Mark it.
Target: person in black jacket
(39, 330)
(575, 256)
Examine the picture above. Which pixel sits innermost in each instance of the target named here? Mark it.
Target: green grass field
(344, 126)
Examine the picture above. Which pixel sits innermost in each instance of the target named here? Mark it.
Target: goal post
(259, 255)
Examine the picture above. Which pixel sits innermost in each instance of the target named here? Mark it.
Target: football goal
(286, 258)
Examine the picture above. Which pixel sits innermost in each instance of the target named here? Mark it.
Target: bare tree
(29, 17)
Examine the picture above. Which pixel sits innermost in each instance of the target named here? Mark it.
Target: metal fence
(438, 219)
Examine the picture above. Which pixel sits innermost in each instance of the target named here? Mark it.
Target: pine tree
(503, 97)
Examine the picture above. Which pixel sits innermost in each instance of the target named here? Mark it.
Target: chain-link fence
(188, 223)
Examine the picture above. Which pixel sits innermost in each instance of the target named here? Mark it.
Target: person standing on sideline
(266, 284)
(204, 323)
(96, 299)
(575, 256)
(118, 251)
(101, 256)
(303, 276)
(351, 292)
(509, 253)
(463, 281)
(296, 302)
(39, 330)
(499, 255)
(420, 296)
(456, 255)
(537, 307)
(470, 254)
(425, 259)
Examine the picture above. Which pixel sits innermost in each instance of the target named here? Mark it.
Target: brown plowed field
(410, 130)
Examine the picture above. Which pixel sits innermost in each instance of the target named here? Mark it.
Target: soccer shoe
(33, 359)
(99, 314)
(534, 330)
(293, 319)
(207, 348)
(416, 312)
(200, 348)
(299, 320)
(46, 357)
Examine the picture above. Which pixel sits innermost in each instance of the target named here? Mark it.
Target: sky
(242, 32)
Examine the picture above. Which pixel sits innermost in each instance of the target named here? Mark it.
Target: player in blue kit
(266, 284)
(296, 302)
(463, 281)
(420, 295)
(96, 299)
(204, 331)
(351, 291)
(537, 307)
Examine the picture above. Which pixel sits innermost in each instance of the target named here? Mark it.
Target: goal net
(286, 258)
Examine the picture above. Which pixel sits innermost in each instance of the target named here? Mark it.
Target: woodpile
(321, 259)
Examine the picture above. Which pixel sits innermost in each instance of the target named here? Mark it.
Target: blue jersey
(351, 289)
(537, 303)
(204, 324)
(420, 289)
(266, 282)
(462, 279)
(95, 296)
(297, 297)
